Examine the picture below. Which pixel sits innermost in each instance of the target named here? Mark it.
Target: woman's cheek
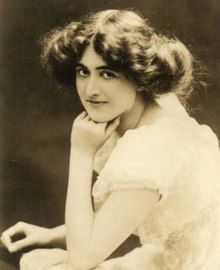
(80, 85)
(81, 96)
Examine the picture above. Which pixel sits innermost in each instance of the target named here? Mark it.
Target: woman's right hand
(89, 136)
(34, 235)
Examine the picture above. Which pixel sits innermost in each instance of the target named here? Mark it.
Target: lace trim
(127, 185)
(188, 247)
(100, 192)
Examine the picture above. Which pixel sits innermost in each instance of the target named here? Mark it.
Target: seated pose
(158, 169)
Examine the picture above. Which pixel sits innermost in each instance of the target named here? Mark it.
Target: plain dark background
(36, 114)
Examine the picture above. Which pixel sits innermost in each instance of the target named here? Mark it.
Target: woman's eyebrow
(106, 67)
(97, 68)
(81, 65)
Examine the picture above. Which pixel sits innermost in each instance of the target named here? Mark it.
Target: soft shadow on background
(36, 115)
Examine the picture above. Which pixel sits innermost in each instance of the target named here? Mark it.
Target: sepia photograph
(109, 139)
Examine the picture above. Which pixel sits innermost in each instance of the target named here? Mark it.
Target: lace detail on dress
(143, 159)
(181, 160)
(188, 248)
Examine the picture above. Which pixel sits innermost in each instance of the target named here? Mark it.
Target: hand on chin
(102, 119)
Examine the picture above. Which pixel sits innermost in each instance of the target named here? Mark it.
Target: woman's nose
(92, 87)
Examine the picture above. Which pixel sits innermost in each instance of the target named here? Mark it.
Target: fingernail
(11, 249)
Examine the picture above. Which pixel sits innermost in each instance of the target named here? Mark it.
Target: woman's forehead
(91, 59)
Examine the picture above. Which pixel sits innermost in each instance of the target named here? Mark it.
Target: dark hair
(126, 41)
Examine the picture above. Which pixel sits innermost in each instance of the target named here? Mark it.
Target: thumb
(112, 125)
(20, 244)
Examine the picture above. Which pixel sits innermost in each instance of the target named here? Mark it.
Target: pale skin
(92, 237)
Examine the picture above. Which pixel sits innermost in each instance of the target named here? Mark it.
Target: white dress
(181, 159)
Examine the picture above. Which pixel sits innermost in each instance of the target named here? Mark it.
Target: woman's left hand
(44, 259)
(89, 136)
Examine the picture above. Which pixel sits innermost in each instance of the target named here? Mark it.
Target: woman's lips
(96, 103)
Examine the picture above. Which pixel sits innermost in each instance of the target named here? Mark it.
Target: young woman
(158, 169)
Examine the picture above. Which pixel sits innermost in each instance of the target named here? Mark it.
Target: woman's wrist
(82, 151)
(58, 236)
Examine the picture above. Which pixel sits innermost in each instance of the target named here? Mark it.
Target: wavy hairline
(167, 68)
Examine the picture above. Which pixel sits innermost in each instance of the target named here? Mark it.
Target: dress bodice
(181, 159)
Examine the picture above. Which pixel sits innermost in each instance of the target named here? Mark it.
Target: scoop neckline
(167, 118)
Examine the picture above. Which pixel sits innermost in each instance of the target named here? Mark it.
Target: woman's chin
(100, 118)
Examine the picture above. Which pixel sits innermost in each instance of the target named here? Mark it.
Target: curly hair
(125, 40)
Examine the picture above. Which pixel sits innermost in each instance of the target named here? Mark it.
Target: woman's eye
(108, 74)
(82, 72)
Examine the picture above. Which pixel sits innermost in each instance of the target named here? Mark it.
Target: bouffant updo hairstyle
(126, 42)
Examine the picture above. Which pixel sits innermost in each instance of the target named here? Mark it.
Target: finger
(61, 266)
(87, 119)
(103, 124)
(6, 235)
(82, 115)
(6, 240)
(20, 244)
(17, 228)
(27, 259)
(23, 262)
(112, 126)
(36, 265)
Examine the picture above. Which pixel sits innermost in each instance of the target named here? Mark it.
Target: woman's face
(104, 93)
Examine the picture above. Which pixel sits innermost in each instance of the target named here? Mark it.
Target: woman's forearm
(79, 211)
(58, 236)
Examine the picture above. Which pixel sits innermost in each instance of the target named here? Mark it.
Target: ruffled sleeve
(149, 157)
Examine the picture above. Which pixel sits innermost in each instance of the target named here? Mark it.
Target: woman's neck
(147, 112)
(142, 113)
(130, 119)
